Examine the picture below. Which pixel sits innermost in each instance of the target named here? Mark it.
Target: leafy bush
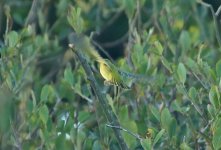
(46, 99)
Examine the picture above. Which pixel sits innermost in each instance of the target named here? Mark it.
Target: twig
(196, 131)
(214, 19)
(9, 20)
(99, 46)
(123, 129)
(32, 15)
(112, 20)
(103, 51)
(131, 23)
(218, 11)
(201, 82)
(17, 141)
(82, 95)
(101, 98)
(116, 42)
(194, 104)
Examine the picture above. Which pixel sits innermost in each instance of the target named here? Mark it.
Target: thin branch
(194, 104)
(201, 82)
(9, 21)
(132, 28)
(218, 11)
(214, 19)
(99, 46)
(112, 20)
(116, 42)
(32, 15)
(111, 117)
(82, 95)
(123, 129)
(102, 50)
(17, 141)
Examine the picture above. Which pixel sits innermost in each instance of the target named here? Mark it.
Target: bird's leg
(107, 83)
(116, 97)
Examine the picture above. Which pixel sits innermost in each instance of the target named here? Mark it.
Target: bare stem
(123, 129)
(214, 19)
(195, 105)
(32, 15)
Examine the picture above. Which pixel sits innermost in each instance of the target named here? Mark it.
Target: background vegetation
(46, 101)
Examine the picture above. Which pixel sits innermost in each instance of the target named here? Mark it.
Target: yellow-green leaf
(44, 113)
(181, 71)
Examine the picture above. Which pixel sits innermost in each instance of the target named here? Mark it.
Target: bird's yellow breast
(105, 72)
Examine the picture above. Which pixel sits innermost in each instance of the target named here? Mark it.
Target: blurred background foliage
(46, 101)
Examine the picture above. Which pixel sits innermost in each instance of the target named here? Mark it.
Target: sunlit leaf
(12, 38)
(158, 136)
(75, 20)
(44, 113)
(159, 47)
(155, 112)
(166, 64)
(146, 143)
(185, 146)
(181, 71)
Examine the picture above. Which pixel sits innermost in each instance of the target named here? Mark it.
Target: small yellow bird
(107, 69)
(111, 74)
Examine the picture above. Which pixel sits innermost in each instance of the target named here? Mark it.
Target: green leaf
(211, 110)
(129, 6)
(166, 119)
(159, 48)
(185, 41)
(137, 55)
(123, 114)
(166, 64)
(158, 136)
(146, 143)
(191, 64)
(75, 20)
(160, 79)
(155, 112)
(83, 116)
(68, 76)
(218, 68)
(172, 128)
(216, 140)
(184, 146)
(176, 106)
(45, 93)
(214, 97)
(12, 39)
(44, 114)
(193, 94)
(111, 102)
(181, 71)
(131, 126)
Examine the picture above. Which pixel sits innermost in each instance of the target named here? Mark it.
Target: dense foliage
(46, 101)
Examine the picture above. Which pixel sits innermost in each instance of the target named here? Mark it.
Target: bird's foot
(106, 83)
